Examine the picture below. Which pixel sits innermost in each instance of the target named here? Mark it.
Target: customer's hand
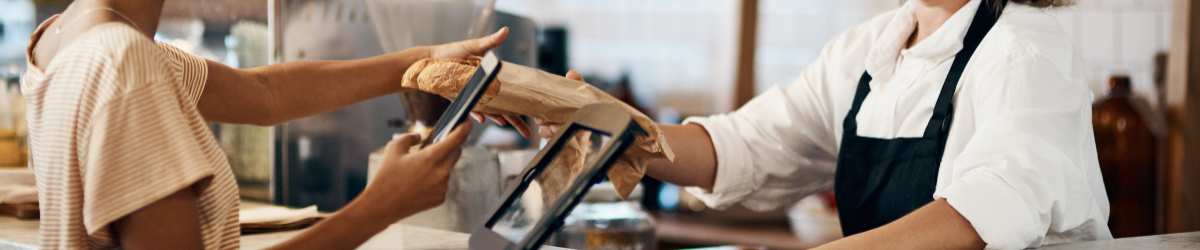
(471, 47)
(476, 47)
(409, 182)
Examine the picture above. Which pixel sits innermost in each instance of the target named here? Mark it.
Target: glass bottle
(1127, 152)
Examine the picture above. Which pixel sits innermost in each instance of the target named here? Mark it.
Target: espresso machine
(322, 160)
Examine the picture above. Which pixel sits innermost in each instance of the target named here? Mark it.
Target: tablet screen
(548, 186)
(470, 95)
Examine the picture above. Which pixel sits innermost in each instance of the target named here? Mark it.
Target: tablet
(606, 131)
(470, 95)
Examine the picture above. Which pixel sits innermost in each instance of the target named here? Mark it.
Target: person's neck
(931, 14)
(144, 14)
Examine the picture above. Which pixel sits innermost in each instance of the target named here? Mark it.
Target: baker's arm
(695, 157)
(272, 94)
(934, 226)
(777, 147)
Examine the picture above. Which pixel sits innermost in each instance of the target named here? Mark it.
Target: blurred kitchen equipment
(183, 33)
(553, 50)
(219, 13)
(403, 24)
(16, 23)
(18, 193)
(521, 46)
(250, 148)
(1127, 151)
(13, 147)
(323, 159)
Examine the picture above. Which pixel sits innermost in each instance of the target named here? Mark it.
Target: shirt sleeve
(189, 71)
(1030, 167)
(139, 145)
(777, 148)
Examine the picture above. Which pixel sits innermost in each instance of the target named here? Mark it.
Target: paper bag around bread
(531, 92)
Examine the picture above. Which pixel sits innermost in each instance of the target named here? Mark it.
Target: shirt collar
(946, 41)
(35, 72)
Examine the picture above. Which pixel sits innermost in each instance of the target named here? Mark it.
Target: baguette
(531, 92)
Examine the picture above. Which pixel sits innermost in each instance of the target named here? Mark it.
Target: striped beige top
(114, 127)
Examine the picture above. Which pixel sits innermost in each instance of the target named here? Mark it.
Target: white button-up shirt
(1020, 162)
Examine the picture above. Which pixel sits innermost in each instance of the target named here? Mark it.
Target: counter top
(395, 237)
(17, 234)
(23, 234)
(1189, 240)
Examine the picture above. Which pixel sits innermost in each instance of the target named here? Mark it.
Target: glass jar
(610, 225)
(13, 151)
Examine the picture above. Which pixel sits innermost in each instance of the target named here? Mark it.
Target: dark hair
(999, 4)
(1045, 3)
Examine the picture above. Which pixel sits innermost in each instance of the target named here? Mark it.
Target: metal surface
(322, 159)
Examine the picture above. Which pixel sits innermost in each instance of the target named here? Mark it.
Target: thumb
(491, 41)
(453, 141)
(401, 143)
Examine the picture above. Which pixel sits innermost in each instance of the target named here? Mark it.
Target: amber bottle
(1126, 147)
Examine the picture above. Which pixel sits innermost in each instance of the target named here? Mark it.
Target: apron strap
(850, 123)
(943, 111)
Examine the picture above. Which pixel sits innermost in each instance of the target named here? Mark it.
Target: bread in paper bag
(548, 97)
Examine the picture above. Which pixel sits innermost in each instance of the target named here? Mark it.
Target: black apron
(881, 180)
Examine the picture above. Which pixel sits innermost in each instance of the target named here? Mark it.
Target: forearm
(349, 227)
(271, 94)
(934, 226)
(695, 157)
(407, 183)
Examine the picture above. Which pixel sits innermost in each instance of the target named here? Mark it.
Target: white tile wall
(792, 33)
(1121, 36)
(681, 53)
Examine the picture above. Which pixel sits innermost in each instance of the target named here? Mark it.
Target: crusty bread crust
(548, 97)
